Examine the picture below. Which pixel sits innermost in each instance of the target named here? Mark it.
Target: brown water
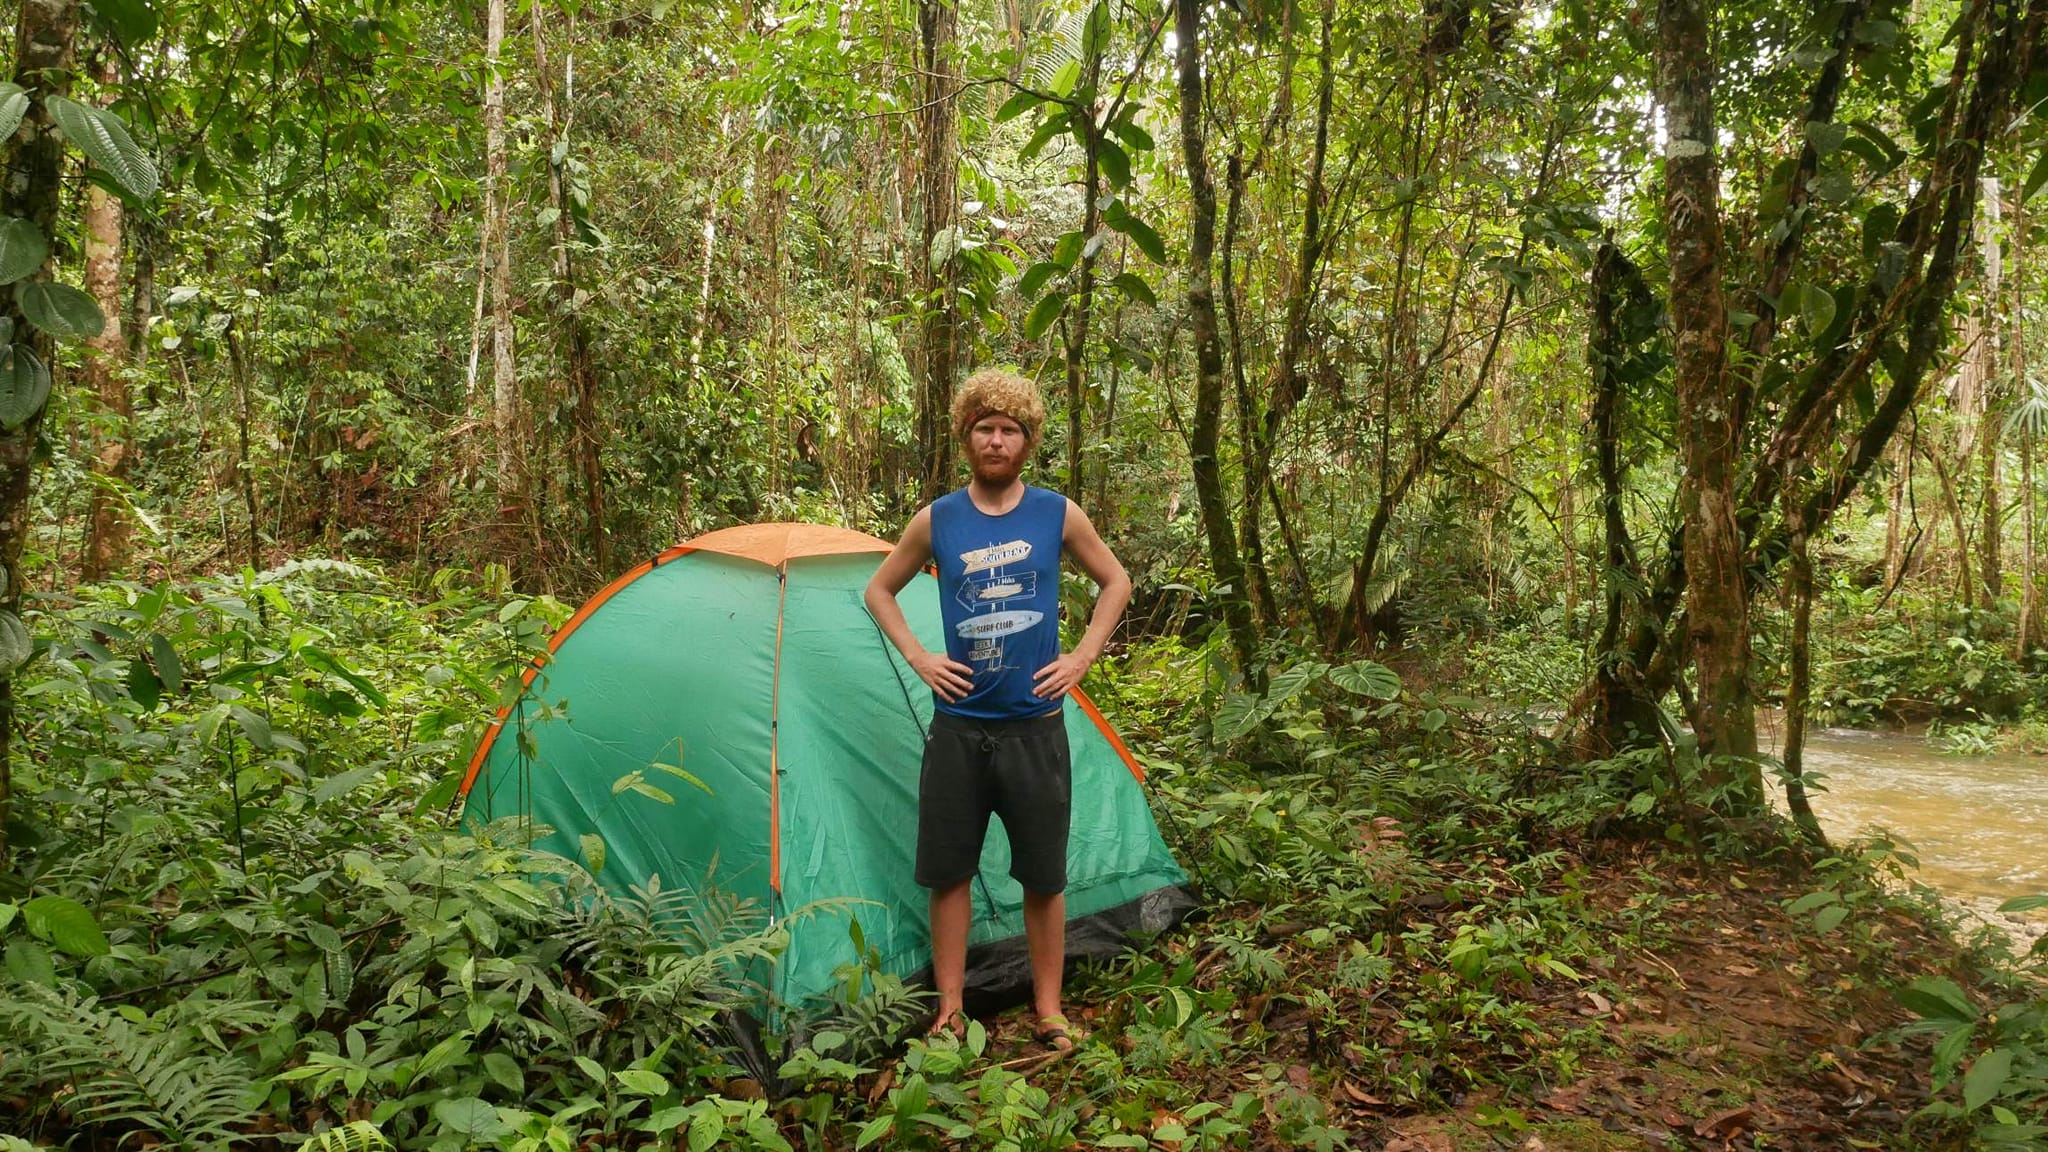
(1978, 824)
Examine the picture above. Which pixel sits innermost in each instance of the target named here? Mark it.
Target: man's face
(996, 446)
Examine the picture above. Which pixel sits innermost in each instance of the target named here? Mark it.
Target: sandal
(1055, 1032)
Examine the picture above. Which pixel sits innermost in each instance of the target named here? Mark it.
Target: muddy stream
(1977, 824)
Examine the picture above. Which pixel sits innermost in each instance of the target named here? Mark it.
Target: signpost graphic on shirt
(987, 586)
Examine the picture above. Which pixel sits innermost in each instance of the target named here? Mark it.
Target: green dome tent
(746, 659)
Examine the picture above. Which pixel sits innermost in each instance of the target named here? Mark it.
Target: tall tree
(935, 264)
(1208, 340)
(569, 210)
(102, 372)
(1711, 401)
(507, 414)
(46, 34)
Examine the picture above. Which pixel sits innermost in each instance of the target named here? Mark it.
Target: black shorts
(1020, 770)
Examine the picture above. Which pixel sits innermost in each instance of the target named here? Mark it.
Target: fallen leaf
(881, 1085)
(1298, 1075)
(1599, 1005)
(1569, 1099)
(1535, 1144)
(1740, 970)
(1361, 1097)
(1724, 1123)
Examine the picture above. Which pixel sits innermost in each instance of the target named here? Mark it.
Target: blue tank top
(999, 595)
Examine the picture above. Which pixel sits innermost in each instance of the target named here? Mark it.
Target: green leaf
(30, 963)
(641, 1082)
(1114, 162)
(1017, 105)
(2025, 903)
(1134, 137)
(66, 924)
(169, 668)
(471, 1117)
(1048, 128)
(1289, 684)
(23, 248)
(1826, 136)
(59, 309)
(143, 686)
(102, 137)
(1239, 713)
(1988, 1073)
(13, 106)
(1133, 286)
(253, 725)
(1140, 233)
(1831, 917)
(706, 1129)
(15, 646)
(134, 22)
(2036, 177)
(1367, 678)
(1937, 998)
(1813, 900)
(506, 1072)
(593, 852)
(1817, 306)
(1043, 314)
(337, 786)
(1067, 248)
(24, 385)
(331, 664)
(872, 1131)
(1033, 281)
(325, 938)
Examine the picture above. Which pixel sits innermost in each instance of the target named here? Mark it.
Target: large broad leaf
(1937, 998)
(66, 924)
(1988, 1073)
(1367, 678)
(1115, 163)
(101, 136)
(1142, 235)
(133, 21)
(13, 106)
(2024, 903)
(1044, 313)
(1240, 713)
(1289, 684)
(14, 644)
(1034, 278)
(24, 385)
(23, 248)
(60, 309)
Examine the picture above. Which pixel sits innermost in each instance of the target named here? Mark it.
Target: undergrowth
(239, 913)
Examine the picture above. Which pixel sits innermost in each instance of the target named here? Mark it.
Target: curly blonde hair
(998, 391)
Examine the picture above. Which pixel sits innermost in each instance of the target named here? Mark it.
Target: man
(998, 744)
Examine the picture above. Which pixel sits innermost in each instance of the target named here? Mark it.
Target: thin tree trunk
(1797, 691)
(46, 32)
(1076, 321)
(107, 527)
(1710, 400)
(1208, 340)
(1990, 544)
(938, 122)
(506, 417)
(569, 310)
(1895, 520)
(2016, 351)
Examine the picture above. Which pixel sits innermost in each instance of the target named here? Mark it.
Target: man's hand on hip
(1053, 681)
(943, 675)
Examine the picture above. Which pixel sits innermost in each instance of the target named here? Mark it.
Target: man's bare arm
(1081, 541)
(949, 678)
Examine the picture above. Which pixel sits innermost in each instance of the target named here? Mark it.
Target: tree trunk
(1075, 323)
(1710, 401)
(1895, 520)
(506, 417)
(1622, 714)
(2016, 350)
(107, 528)
(1797, 691)
(46, 34)
(1208, 340)
(938, 123)
(1990, 543)
(569, 309)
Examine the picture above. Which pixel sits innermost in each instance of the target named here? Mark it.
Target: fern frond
(354, 1136)
(1061, 45)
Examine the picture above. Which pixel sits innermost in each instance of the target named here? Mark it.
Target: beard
(998, 473)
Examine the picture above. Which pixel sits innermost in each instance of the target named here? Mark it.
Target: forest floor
(1734, 1025)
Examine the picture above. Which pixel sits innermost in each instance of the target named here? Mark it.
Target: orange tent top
(775, 544)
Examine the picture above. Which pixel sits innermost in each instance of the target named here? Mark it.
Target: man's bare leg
(1045, 934)
(951, 910)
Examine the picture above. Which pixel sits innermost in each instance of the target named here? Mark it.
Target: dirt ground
(1739, 1029)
